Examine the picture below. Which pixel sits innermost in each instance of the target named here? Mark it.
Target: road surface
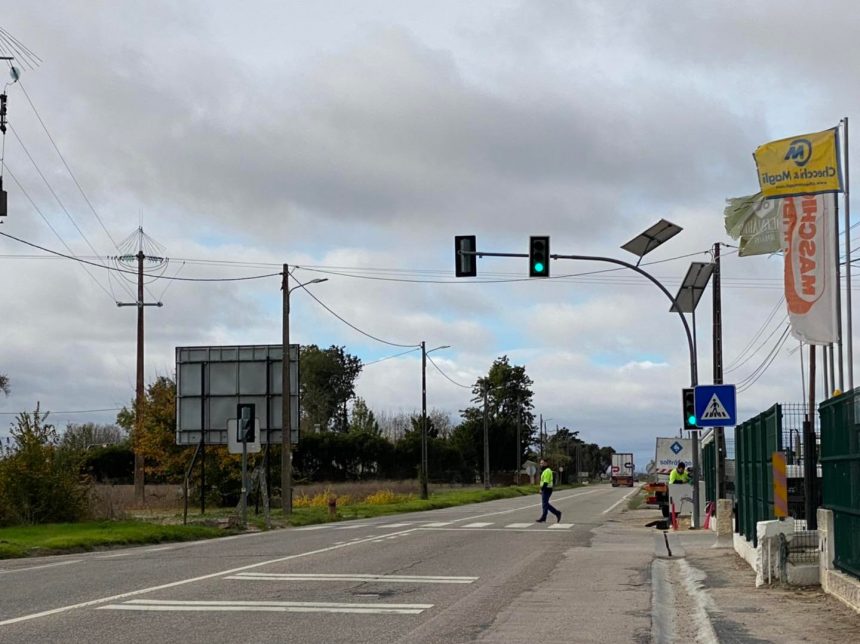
(483, 572)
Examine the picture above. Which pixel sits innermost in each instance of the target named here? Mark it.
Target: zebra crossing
(443, 525)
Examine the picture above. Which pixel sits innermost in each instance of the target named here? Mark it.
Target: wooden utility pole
(140, 257)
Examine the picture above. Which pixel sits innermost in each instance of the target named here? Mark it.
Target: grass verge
(23, 541)
(636, 500)
(55, 538)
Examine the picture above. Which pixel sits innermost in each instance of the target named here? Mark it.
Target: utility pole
(140, 257)
(519, 444)
(719, 433)
(424, 492)
(486, 440)
(540, 434)
(286, 411)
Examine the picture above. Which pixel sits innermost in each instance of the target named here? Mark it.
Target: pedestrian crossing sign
(716, 406)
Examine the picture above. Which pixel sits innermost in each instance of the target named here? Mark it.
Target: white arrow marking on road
(407, 579)
(278, 607)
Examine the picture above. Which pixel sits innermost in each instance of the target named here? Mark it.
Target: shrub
(39, 482)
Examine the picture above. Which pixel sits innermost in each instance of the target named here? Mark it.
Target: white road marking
(525, 507)
(437, 524)
(50, 565)
(561, 526)
(181, 582)
(269, 606)
(353, 526)
(313, 527)
(519, 525)
(464, 529)
(692, 578)
(159, 549)
(620, 501)
(119, 554)
(396, 525)
(478, 525)
(405, 579)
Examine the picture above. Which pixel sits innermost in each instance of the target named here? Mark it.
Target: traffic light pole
(694, 367)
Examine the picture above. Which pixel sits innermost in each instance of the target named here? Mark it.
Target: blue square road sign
(716, 406)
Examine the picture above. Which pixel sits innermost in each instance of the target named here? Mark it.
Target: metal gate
(755, 442)
(840, 464)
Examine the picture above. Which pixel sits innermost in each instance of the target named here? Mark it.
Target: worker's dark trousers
(545, 493)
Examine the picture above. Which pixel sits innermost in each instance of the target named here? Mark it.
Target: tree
(39, 482)
(88, 435)
(509, 405)
(4, 383)
(363, 420)
(326, 383)
(163, 457)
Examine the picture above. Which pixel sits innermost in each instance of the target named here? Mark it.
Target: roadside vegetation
(71, 489)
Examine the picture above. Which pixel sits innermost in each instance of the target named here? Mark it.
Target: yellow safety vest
(546, 477)
(676, 477)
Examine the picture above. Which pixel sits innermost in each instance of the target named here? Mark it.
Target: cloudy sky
(355, 139)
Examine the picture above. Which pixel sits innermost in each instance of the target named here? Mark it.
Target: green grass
(636, 500)
(34, 540)
(23, 541)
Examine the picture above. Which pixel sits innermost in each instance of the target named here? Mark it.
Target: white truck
(622, 471)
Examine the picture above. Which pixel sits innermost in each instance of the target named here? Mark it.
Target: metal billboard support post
(202, 438)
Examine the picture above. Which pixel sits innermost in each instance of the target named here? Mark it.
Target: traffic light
(688, 395)
(465, 262)
(246, 423)
(538, 256)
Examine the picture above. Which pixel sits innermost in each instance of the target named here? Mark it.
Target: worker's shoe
(558, 518)
(540, 520)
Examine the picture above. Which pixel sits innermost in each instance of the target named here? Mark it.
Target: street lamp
(423, 474)
(286, 401)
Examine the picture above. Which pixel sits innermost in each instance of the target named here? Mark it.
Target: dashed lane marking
(479, 524)
(408, 579)
(519, 525)
(561, 526)
(268, 606)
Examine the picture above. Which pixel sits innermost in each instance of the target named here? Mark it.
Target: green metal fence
(755, 441)
(840, 471)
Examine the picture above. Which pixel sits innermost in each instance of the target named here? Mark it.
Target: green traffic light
(538, 267)
(691, 420)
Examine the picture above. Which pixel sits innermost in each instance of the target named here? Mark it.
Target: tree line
(342, 439)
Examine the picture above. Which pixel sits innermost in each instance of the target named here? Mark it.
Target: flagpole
(848, 320)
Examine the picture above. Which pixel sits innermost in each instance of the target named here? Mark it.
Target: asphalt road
(451, 575)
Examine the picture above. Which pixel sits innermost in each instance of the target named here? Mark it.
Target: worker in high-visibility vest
(546, 481)
(679, 474)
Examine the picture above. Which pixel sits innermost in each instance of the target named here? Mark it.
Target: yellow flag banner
(800, 165)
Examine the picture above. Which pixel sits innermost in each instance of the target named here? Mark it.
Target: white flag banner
(808, 238)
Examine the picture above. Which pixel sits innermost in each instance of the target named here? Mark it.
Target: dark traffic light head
(688, 396)
(539, 256)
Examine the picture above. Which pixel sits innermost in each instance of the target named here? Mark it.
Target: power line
(128, 272)
(447, 377)
(63, 159)
(76, 411)
(55, 195)
(54, 230)
(396, 355)
(759, 371)
(352, 326)
(755, 337)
